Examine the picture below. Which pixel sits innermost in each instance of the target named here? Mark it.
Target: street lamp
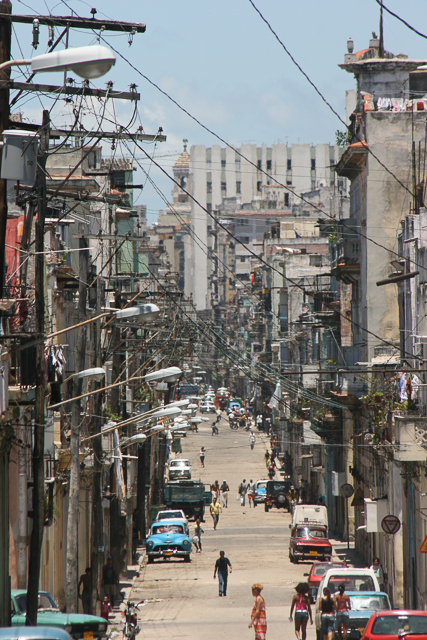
(141, 314)
(96, 373)
(171, 374)
(87, 62)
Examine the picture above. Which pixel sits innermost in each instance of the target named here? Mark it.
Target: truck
(310, 514)
(187, 389)
(309, 534)
(188, 495)
(222, 396)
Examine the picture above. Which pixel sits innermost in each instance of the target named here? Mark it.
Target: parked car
(276, 494)
(308, 542)
(207, 406)
(33, 633)
(260, 492)
(78, 625)
(316, 574)
(168, 539)
(173, 514)
(353, 578)
(391, 625)
(363, 605)
(179, 468)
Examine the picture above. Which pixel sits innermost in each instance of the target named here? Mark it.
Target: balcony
(346, 265)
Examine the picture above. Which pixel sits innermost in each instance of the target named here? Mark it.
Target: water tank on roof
(19, 160)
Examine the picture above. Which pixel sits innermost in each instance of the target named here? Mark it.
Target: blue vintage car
(168, 539)
(363, 605)
(260, 491)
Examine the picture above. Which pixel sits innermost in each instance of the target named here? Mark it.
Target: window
(286, 199)
(242, 258)
(209, 187)
(223, 186)
(209, 207)
(244, 239)
(259, 165)
(288, 182)
(238, 187)
(268, 165)
(289, 165)
(183, 182)
(237, 161)
(258, 185)
(223, 162)
(242, 222)
(313, 164)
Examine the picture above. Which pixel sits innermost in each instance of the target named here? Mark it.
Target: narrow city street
(182, 599)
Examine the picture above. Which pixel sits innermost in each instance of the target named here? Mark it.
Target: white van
(310, 514)
(354, 579)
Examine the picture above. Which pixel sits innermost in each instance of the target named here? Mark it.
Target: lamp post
(92, 62)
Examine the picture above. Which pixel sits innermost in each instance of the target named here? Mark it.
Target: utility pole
(5, 43)
(73, 505)
(97, 532)
(39, 417)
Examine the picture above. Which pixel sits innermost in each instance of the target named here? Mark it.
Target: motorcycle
(271, 471)
(130, 621)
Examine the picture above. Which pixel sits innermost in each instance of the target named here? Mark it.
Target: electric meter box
(19, 159)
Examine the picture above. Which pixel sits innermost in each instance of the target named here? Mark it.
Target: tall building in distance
(248, 178)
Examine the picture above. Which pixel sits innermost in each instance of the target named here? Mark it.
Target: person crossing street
(243, 489)
(221, 568)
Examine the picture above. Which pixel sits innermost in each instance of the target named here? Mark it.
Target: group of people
(334, 611)
(246, 489)
(109, 585)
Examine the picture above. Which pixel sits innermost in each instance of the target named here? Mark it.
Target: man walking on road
(251, 492)
(215, 508)
(243, 488)
(224, 488)
(221, 567)
(252, 439)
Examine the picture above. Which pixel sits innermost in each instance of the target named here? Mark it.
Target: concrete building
(248, 178)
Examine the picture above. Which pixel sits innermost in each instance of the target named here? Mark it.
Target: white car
(207, 407)
(173, 514)
(179, 468)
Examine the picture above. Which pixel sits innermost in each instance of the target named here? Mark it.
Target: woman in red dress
(258, 617)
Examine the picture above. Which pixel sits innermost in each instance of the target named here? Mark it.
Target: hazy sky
(222, 64)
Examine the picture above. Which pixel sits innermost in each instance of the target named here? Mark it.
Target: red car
(394, 625)
(308, 542)
(317, 572)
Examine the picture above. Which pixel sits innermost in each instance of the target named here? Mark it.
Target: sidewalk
(125, 590)
(350, 556)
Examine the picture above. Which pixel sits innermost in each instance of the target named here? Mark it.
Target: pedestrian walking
(243, 488)
(215, 431)
(215, 489)
(105, 608)
(327, 608)
(258, 615)
(86, 595)
(221, 568)
(109, 580)
(301, 604)
(251, 492)
(259, 422)
(218, 415)
(197, 538)
(252, 439)
(267, 458)
(224, 489)
(215, 508)
(342, 607)
(202, 454)
(378, 570)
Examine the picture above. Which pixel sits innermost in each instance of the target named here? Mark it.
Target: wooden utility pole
(5, 42)
(38, 450)
(71, 597)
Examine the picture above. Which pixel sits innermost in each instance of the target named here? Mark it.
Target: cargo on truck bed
(188, 495)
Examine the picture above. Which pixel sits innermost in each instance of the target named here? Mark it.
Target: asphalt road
(182, 599)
